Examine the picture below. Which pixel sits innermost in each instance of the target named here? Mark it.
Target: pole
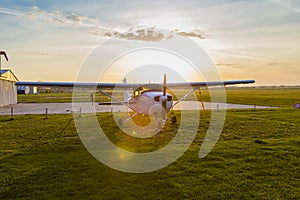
(5, 55)
(46, 113)
(11, 113)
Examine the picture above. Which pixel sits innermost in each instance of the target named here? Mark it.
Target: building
(33, 90)
(8, 89)
(22, 89)
(27, 89)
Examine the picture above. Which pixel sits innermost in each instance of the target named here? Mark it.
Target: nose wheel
(173, 119)
(162, 121)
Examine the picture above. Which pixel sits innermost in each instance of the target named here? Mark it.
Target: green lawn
(266, 97)
(58, 98)
(250, 96)
(257, 157)
(260, 96)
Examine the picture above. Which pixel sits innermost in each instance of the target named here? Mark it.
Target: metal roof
(3, 71)
(8, 75)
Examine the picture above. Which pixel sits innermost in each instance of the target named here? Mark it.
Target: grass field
(56, 98)
(257, 157)
(250, 96)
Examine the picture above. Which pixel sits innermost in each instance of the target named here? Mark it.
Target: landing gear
(173, 119)
(201, 99)
(159, 125)
(120, 122)
(159, 120)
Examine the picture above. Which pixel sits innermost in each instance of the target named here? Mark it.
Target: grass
(265, 97)
(250, 96)
(257, 157)
(58, 98)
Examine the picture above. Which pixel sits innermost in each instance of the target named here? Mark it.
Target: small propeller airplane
(147, 99)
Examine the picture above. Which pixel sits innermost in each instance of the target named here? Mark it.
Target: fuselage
(151, 102)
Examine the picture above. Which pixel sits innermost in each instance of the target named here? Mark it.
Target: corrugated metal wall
(8, 93)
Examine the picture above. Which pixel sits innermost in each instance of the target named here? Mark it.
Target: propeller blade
(164, 112)
(164, 104)
(165, 85)
(164, 98)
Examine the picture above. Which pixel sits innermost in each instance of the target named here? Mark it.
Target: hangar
(8, 89)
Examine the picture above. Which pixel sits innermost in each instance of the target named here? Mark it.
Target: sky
(245, 39)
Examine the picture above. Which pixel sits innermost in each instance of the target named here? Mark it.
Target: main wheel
(120, 122)
(173, 119)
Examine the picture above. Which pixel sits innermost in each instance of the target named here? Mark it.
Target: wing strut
(117, 100)
(185, 96)
(201, 99)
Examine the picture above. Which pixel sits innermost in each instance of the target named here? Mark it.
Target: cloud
(46, 54)
(11, 12)
(133, 33)
(292, 5)
(196, 33)
(230, 65)
(92, 25)
(58, 16)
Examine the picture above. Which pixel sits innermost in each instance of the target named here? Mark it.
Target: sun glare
(153, 64)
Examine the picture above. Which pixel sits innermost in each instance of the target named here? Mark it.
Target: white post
(46, 113)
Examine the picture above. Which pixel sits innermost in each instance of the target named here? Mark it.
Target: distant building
(296, 105)
(27, 89)
(33, 90)
(23, 89)
(8, 89)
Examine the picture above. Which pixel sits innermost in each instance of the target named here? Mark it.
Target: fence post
(11, 113)
(46, 113)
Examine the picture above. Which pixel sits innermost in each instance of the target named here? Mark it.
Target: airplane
(147, 99)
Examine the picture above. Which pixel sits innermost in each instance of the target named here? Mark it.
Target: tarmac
(68, 108)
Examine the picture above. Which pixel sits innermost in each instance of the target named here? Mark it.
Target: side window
(169, 98)
(156, 98)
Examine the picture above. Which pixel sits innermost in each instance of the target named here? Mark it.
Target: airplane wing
(132, 85)
(210, 83)
(80, 84)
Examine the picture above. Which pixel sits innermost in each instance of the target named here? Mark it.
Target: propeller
(165, 85)
(164, 97)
